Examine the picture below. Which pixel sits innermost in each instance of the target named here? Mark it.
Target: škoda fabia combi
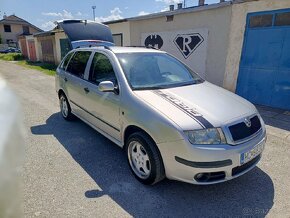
(170, 122)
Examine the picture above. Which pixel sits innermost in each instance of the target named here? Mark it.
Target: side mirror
(106, 86)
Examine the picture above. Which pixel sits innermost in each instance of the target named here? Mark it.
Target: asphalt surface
(71, 170)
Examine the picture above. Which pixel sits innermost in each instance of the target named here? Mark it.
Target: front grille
(240, 169)
(240, 131)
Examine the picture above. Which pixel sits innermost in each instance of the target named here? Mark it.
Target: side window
(78, 63)
(102, 70)
(65, 62)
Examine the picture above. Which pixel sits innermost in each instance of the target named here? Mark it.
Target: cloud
(141, 13)
(165, 9)
(115, 14)
(169, 1)
(48, 25)
(64, 15)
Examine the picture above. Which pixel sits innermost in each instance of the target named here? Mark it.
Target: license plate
(251, 154)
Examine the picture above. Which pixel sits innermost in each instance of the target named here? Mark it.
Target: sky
(43, 13)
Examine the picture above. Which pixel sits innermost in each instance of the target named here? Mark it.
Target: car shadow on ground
(251, 194)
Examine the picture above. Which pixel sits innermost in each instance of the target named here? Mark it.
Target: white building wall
(124, 28)
(216, 21)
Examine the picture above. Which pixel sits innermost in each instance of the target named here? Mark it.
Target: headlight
(206, 136)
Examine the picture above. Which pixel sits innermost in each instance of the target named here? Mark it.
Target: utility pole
(94, 7)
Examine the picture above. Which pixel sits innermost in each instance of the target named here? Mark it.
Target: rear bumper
(216, 163)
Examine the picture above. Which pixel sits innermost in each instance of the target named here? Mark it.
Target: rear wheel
(144, 158)
(65, 108)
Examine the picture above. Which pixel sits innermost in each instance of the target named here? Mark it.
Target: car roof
(118, 49)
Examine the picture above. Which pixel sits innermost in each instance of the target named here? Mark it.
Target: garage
(32, 51)
(264, 74)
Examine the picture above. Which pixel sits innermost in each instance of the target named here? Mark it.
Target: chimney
(179, 6)
(201, 2)
(4, 16)
(171, 7)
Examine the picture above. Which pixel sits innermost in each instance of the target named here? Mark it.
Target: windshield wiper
(150, 88)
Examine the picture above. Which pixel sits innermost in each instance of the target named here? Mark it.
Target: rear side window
(66, 60)
(102, 69)
(78, 63)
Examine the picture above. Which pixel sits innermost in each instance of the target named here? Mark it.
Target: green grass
(11, 57)
(46, 68)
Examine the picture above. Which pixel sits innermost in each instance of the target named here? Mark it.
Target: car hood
(198, 106)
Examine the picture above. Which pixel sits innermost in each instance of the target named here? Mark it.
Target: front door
(103, 107)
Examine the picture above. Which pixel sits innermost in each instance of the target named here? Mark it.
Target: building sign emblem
(188, 43)
(154, 41)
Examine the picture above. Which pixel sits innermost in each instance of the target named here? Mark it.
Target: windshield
(155, 71)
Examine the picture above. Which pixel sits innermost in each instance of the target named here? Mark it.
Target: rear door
(103, 107)
(74, 80)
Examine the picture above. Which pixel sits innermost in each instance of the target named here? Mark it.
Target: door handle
(65, 79)
(86, 90)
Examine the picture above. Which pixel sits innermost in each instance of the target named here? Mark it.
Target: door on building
(264, 75)
(23, 47)
(47, 51)
(32, 51)
(64, 47)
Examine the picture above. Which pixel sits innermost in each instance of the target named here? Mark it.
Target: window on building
(78, 63)
(25, 29)
(282, 19)
(118, 39)
(7, 28)
(102, 70)
(169, 18)
(9, 41)
(264, 20)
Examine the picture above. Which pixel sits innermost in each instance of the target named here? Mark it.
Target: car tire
(144, 159)
(65, 108)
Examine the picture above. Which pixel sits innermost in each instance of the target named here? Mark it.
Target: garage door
(32, 51)
(264, 75)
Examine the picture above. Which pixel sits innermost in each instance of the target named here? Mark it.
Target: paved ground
(71, 170)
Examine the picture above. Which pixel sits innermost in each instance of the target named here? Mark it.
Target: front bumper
(184, 161)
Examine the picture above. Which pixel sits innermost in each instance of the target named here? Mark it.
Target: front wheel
(144, 159)
(65, 108)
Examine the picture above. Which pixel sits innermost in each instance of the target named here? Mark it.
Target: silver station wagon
(170, 122)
